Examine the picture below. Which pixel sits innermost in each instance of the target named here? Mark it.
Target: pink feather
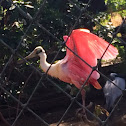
(90, 48)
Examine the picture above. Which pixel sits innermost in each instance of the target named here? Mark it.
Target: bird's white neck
(45, 66)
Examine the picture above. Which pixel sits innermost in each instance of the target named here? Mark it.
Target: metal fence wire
(22, 103)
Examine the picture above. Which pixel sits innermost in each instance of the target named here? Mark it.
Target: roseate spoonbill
(111, 91)
(72, 69)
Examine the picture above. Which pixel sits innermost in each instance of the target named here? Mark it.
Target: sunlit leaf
(29, 6)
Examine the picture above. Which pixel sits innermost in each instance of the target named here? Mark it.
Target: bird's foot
(80, 112)
(82, 115)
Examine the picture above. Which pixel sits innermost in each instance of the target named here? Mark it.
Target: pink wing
(85, 41)
(90, 48)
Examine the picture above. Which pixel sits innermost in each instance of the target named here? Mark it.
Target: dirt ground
(118, 118)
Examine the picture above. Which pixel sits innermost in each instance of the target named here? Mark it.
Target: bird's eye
(38, 51)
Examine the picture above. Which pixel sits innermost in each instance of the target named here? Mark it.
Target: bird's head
(38, 51)
(113, 75)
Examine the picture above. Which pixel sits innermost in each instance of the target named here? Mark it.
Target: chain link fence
(23, 95)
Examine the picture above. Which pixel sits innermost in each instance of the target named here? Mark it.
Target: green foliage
(116, 6)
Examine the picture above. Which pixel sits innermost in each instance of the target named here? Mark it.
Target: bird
(72, 69)
(112, 92)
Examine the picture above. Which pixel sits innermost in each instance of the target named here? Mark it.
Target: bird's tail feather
(95, 84)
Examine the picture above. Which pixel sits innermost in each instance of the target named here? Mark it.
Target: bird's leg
(82, 112)
(84, 116)
(83, 93)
